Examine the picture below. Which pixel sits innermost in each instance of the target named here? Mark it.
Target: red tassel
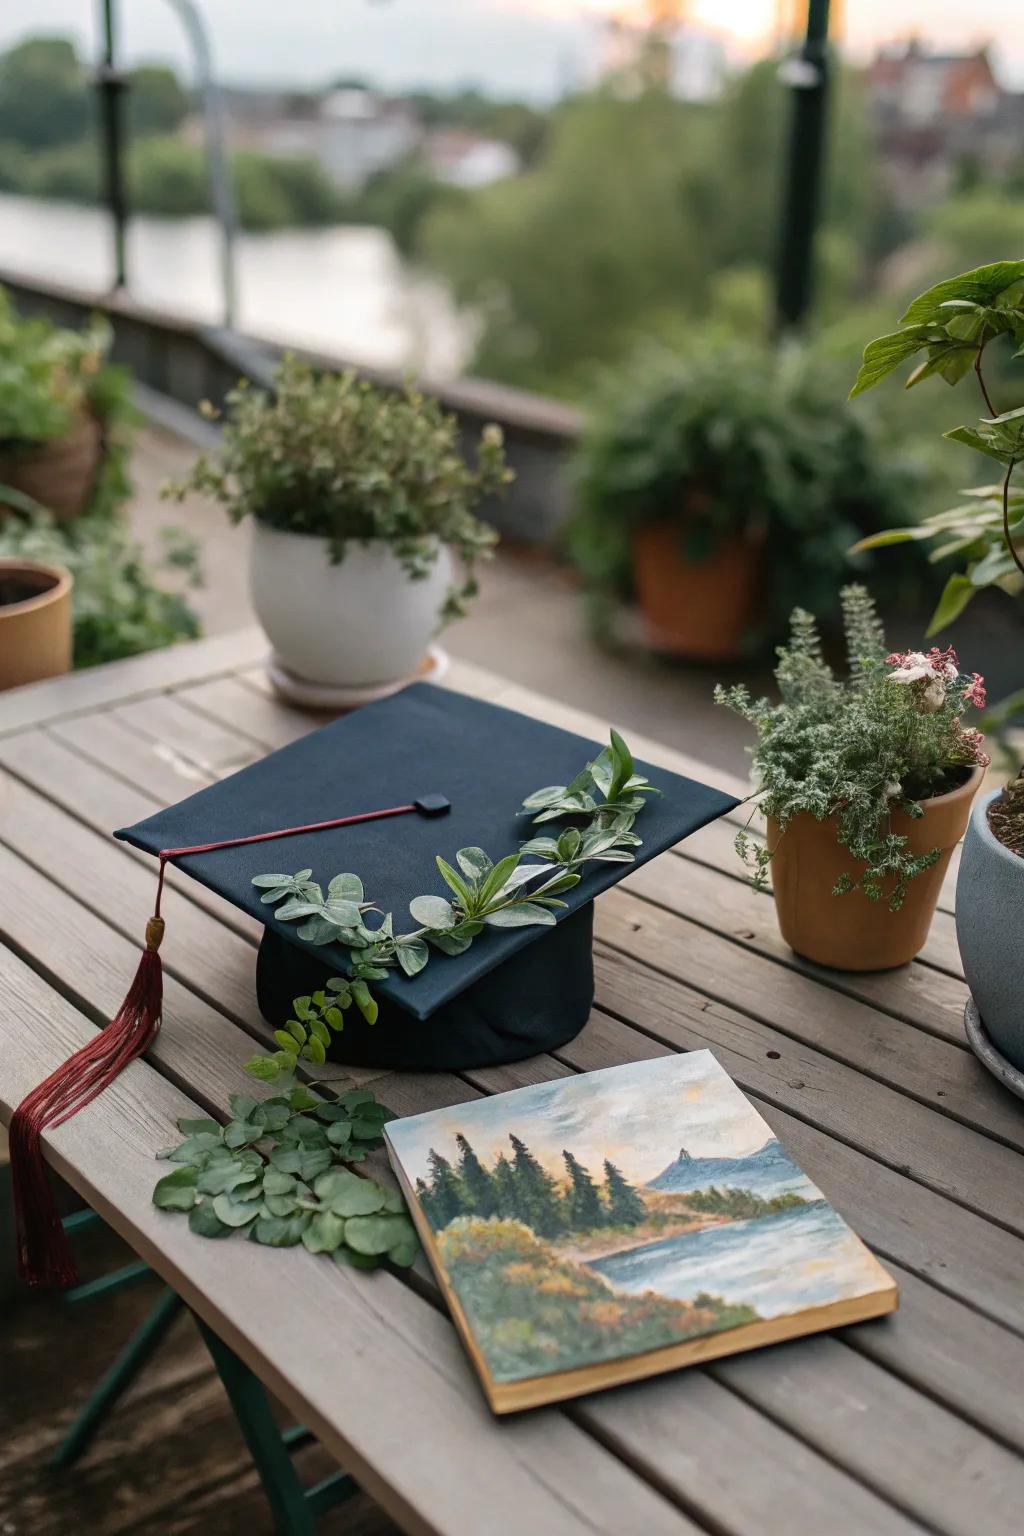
(44, 1254)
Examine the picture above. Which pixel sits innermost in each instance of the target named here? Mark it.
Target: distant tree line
(519, 1188)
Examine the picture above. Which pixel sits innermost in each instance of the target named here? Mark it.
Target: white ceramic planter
(356, 624)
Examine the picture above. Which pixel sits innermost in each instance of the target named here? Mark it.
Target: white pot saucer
(983, 1046)
(335, 698)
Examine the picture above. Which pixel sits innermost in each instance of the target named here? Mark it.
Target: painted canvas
(602, 1227)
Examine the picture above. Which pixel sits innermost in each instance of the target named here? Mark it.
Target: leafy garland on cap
(484, 894)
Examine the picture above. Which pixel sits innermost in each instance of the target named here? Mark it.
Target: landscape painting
(618, 1212)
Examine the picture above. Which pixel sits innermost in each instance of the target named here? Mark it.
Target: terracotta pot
(60, 474)
(851, 933)
(700, 609)
(35, 621)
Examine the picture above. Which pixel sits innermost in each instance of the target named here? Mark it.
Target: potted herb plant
(717, 489)
(867, 783)
(359, 497)
(950, 330)
(63, 414)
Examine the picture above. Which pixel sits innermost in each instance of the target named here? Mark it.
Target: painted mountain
(767, 1171)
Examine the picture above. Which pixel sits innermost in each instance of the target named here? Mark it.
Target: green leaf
(981, 285)
(433, 912)
(523, 915)
(264, 1067)
(346, 888)
(956, 594)
(242, 1133)
(195, 1149)
(320, 1030)
(334, 1016)
(347, 1194)
(347, 1257)
(345, 914)
(224, 1177)
(281, 1231)
(981, 443)
(287, 1159)
(364, 1002)
(886, 353)
(176, 1191)
(204, 1221)
(496, 879)
(300, 1099)
(337, 984)
(474, 863)
(315, 1162)
(313, 1051)
(403, 1254)
(451, 943)
(378, 1234)
(354, 1097)
(412, 956)
(339, 1133)
(318, 930)
(277, 1182)
(242, 1105)
(235, 1213)
(296, 907)
(200, 1127)
(303, 1007)
(326, 1231)
(264, 881)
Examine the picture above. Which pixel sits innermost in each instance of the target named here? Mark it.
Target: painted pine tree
(504, 1186)
(583, 1202)
(536, 1194)
(446, 1195)
(625, 1204)
(477, 1183)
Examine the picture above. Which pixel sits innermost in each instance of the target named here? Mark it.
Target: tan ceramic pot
(60, 474)
(35, 621)
(851, 933)
(701, 609)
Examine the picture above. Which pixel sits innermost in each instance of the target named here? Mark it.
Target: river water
(344, 289)
(777, 1264)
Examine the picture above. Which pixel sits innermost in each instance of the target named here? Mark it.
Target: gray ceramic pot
(990, 928)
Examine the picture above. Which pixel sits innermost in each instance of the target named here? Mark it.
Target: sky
(530, 48)
(639, 1116)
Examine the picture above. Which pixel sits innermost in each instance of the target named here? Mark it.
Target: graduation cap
(394, 868)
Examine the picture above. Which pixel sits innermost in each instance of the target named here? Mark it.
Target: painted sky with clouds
(638, 1115)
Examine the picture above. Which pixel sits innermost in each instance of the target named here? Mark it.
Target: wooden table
(910, 1424)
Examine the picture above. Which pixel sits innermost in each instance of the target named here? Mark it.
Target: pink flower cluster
(934, 670)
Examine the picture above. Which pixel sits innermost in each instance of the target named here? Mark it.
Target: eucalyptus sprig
(277, 1171)
(484, 893)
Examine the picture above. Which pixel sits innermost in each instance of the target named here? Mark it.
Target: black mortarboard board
(516, 991)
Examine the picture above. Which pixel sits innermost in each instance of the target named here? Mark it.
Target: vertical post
(110, 84)
(807, 76)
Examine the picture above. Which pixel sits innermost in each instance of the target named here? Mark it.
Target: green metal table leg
(292, 1512)
(121, 1374)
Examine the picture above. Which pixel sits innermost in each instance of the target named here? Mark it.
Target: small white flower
(893, 789)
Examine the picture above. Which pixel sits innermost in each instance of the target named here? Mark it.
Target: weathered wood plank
(197, 737)
(937, 1073)
(981, 1174)
(118, 680)
(259, 716)
(393, 1395)
(915, 993)
(107, 742)
(954, 1249)
(104, 802)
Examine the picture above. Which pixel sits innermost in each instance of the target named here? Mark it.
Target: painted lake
(777, 1264)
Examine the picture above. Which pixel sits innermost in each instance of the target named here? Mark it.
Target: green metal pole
(111, 84)
(807, 76)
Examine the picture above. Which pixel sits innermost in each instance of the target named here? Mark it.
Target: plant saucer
(334, 698)
(981, 1043)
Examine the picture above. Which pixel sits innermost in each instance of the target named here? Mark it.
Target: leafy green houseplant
(65, 416)
(358, 497)
(948, 330)
(867, 783)
(721, 488)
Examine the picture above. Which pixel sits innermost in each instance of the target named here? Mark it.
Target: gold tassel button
(154, 932)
